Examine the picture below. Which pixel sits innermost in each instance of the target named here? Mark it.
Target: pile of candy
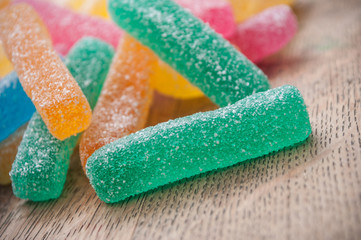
(181, 48)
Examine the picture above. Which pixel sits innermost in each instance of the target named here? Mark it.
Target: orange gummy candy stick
(125, 99)
(45, 79)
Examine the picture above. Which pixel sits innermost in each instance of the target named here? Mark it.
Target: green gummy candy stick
(42, 161)
(181, 148)
(191, 47)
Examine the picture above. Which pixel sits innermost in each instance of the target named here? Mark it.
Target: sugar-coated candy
(266, 32)
(125, 98)
(43, 76)
(16, 107)
(191, 47)
(66, 27)
(217, 13)
(40, 167)
(8, 150)
(255, 126)
(243, 9)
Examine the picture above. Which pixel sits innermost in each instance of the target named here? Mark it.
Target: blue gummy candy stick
(16, 107)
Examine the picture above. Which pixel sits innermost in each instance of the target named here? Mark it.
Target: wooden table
(312, 191)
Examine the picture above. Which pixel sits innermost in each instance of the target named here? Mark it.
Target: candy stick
(125, 99)
(67, 27)
(45, 79)
(243, 9)
(8, 150)
(190, 47)
(253, 127)
(16, 107)
(218, 14)
(266, 32)
(257, 38)
(40, 167)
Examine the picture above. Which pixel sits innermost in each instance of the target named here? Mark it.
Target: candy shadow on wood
(289, 154)
(165, 106)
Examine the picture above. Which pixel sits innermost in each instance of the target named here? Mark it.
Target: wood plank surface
(312, 191)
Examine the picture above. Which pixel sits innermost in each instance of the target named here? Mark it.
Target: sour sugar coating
(125, 99)
(266, 32)
(190, 47)
(45, 79)
(66, 27)
(253, 127)
(257, 38)
(218, 14)
(244, 9)
(40, 167)
(16, 107)
(8, 150)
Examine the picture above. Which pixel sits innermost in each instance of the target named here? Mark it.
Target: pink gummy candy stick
(67, 27)
(266, 32)
(217, 13)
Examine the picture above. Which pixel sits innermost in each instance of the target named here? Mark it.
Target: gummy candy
(266, 32)
(8, 150)
(125, 99)
(67, 27)
(243, 9)
(218, 14)
(45, 79)
(190, 47)
(255, 126)
(165, 80)
(257, 38)
(16, 107)
(40, 167)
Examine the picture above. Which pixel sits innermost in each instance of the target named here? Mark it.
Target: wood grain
(312, 191)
